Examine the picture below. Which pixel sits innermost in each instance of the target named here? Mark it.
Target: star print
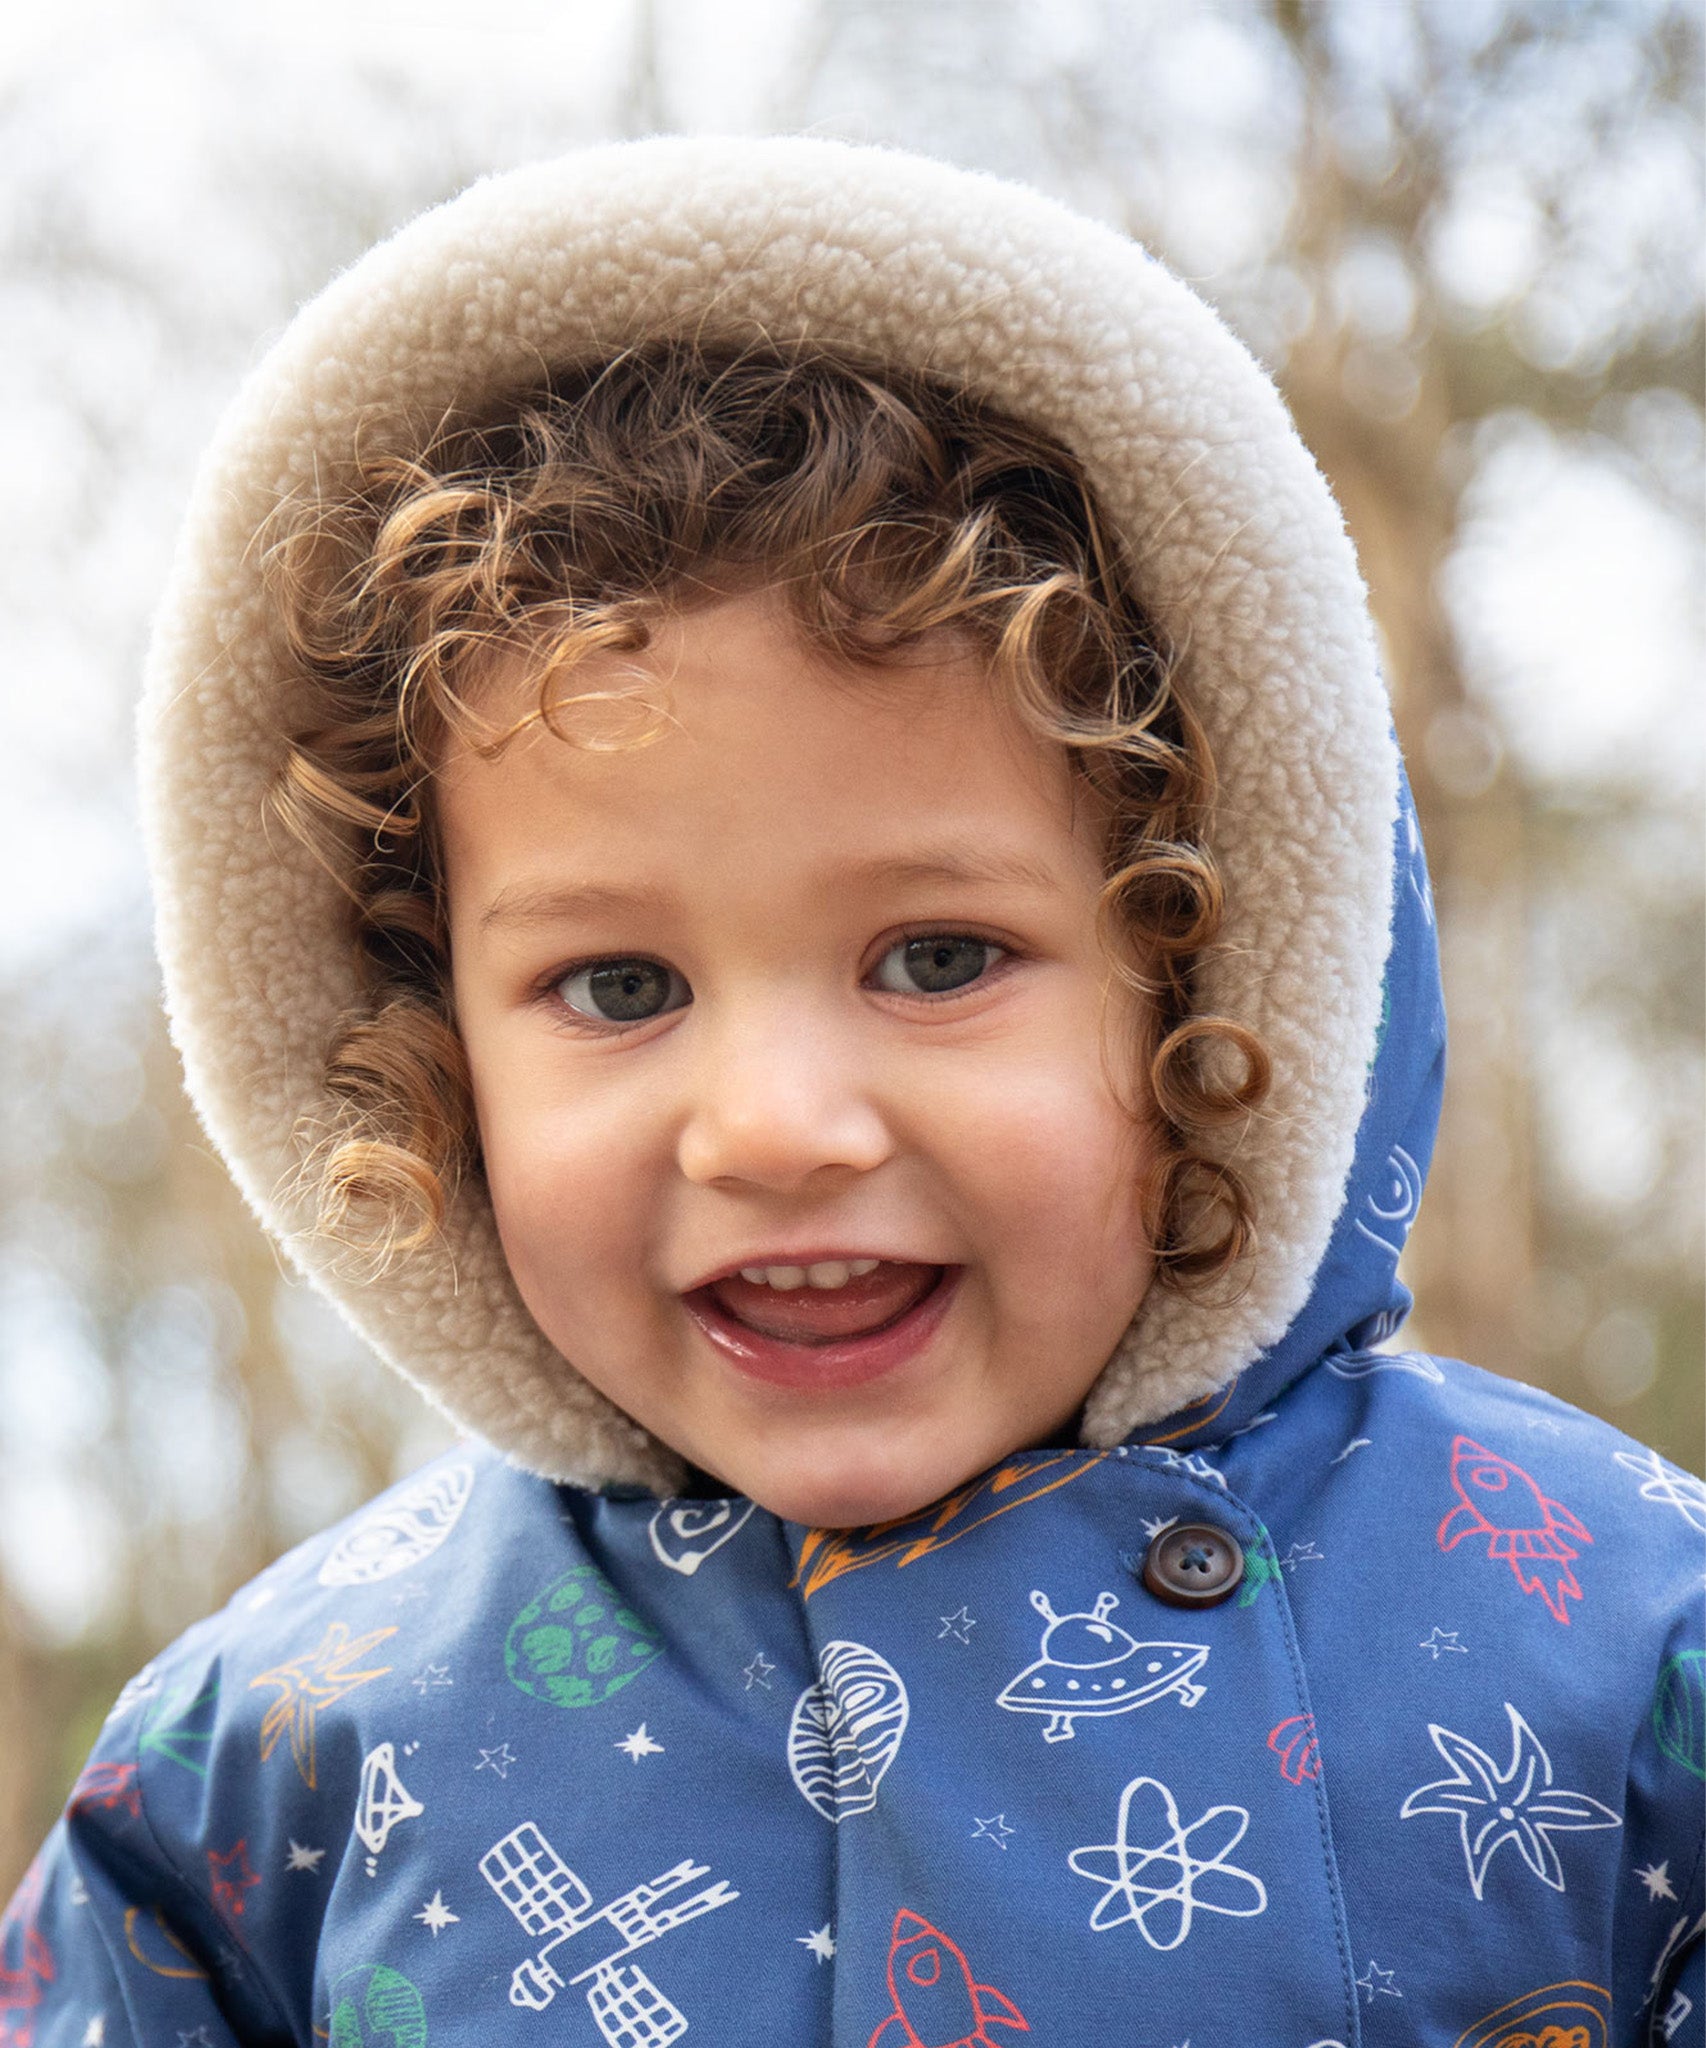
(1357, 1443)
(79, 1892)
(437, 1915)
(230, 1875)
(1163, 1879)
(1656, 1877)
(498, 1760)
(1154, 1524)
(993, 1830)
(409, 1594)
(1374, 1979)
(959, 1626)
(196, 2040)
(1301, 1553)
(1442, 1639)
(1198, 1468)
(300, 1858)
(758, 1672)
(95, 2034)
(1492, 1807)
(318, 1678)
(820, 1941)
(434, 1678)
(638, 1744)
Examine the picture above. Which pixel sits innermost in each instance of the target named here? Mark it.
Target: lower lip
(849, 1362)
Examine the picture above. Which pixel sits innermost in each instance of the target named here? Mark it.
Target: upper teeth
(831, 1273)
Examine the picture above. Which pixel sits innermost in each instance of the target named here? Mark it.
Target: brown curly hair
(887, 507)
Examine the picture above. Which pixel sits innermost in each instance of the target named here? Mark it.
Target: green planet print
(377, 2007)
(576, 1645)
(1679, 1711)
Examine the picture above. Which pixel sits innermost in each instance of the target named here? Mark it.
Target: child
(890, 1049)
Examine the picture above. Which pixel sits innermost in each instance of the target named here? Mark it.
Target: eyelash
(607, 1027)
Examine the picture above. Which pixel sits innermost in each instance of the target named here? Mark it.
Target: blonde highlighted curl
(887, 508)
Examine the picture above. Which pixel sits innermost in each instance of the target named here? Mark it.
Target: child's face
(812, 982)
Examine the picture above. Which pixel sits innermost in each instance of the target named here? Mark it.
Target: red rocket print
(109, 1786)
(26, 1964)
(1498, 1500)
(1293, 1741)
(936, 2004)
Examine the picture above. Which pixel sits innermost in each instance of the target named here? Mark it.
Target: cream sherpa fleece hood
(1241, 555)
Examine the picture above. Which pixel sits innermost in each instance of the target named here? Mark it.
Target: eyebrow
(515, 907)
(956, 863)
(518, 907)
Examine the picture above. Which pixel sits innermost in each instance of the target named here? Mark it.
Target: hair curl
(887, 507)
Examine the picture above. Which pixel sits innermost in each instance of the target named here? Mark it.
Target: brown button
(1195, 1565)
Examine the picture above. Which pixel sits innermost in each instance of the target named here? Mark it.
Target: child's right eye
(624, 991)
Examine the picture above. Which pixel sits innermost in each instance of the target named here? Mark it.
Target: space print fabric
(1362, 1703)
(503, 1762)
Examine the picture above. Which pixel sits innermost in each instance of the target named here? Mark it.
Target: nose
(776, 1100)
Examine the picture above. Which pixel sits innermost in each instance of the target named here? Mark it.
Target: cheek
(1055, 1163)
(571, 1194)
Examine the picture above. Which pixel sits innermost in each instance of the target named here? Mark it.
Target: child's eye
(624, 991)
(936, 964)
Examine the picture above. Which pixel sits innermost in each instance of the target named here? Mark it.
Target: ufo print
(1089, 1665)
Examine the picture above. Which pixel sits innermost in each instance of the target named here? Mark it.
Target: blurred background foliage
(1464, 234)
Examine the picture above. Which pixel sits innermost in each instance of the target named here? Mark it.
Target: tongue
(822, 1315)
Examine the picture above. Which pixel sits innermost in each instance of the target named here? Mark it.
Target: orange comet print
(306, 1684)
(936, 2002)
(1535, 1536)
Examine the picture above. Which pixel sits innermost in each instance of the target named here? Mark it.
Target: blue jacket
(506, 1761)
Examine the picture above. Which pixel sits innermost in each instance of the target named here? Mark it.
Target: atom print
(1158, 1882)
(1668, 1486)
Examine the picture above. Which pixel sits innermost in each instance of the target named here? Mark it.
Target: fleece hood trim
(1241, 554)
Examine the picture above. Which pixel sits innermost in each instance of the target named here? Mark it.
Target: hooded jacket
(1324, 1694)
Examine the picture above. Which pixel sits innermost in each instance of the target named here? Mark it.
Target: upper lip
(814, 1256)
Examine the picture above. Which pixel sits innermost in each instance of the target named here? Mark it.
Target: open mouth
(826, 1330)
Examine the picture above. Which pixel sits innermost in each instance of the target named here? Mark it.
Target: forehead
(763, 753)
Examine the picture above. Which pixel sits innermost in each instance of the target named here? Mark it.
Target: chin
(853, 1495)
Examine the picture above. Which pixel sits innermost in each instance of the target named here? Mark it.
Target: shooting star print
(1519, 1804)
(318, 1678)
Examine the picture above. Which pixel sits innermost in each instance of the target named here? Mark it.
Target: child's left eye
(936, 964)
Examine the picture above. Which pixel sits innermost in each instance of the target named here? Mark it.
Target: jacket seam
(1224, 1495)
(250, 1968)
